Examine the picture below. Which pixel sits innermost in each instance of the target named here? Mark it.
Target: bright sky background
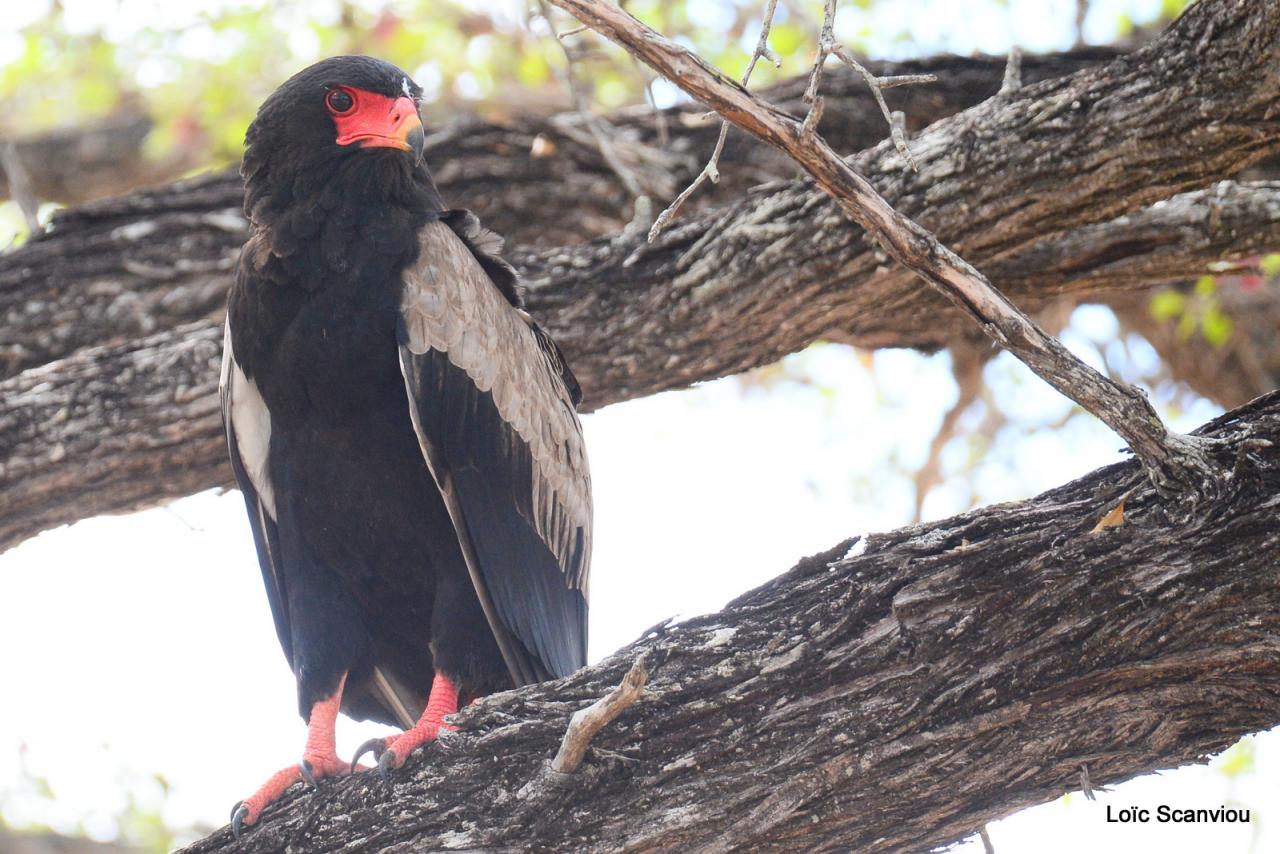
(143, 644)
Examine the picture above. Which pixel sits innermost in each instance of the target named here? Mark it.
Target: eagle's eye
(339, 102)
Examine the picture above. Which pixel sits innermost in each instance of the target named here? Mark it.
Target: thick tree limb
(888, 701)
(73, 165)
(1167, 241)
(132, 438)
(720, 291)
(70, 443)
(1176, 464)
(120, 248)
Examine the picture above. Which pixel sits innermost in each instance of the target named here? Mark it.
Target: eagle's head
(345, 129)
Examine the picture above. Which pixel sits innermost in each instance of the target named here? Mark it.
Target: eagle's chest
(336, 356)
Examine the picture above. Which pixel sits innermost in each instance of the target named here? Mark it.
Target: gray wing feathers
(450, 305)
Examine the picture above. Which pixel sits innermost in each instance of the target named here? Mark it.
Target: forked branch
(1177, 464)
(711, 172)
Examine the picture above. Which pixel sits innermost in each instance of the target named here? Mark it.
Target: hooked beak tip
(417, 140)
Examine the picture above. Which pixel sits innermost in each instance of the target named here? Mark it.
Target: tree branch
(891, 700)
(110, 428)
(782, 310)
(1176, 464)
(534, 198)
(721, 291)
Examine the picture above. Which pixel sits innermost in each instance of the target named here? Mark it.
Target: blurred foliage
(1126, 26)
(1199, 311)
(130, 812)
(202, 73)
(1238, 760)
(200, 69)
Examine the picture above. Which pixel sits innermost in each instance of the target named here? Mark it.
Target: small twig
(812, 118)
(898, 133)
(1012, 72)
(578, 29)
(876, 86)
(895, 80)
(585, 723)
(826, 43)
(593, 122)
(659, 117)
(828, 46)
(987, 847)
(711, 172)
(20, 186)
(1179, 466)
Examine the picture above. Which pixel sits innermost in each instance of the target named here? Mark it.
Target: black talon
(376, 746)
(384, 765)
(304, 768)
(238, 814)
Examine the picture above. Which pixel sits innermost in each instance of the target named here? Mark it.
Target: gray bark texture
(1070, 173)
(887, 700)
(72, 445)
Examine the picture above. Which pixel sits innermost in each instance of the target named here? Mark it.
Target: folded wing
(493, 406)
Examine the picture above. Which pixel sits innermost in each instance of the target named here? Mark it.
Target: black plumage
(420, 504)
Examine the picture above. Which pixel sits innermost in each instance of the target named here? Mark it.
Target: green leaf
(1238, 759)
(1206, 286)
(1187, 326)
(1216, 327)
(1167, 305)
(788, 38)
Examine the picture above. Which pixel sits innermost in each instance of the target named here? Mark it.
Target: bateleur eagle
(404, 434)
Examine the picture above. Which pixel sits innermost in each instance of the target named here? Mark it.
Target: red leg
(319, 760)
(393, 751)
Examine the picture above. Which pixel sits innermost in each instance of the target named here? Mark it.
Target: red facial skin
(373, 120)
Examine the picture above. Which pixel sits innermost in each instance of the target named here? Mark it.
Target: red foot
(392, 752)
(319, 760)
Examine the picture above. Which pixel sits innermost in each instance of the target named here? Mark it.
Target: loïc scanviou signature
(1165, 814)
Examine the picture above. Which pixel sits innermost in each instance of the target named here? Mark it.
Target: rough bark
(159, 258)
(70, 443)
(132, 439)
(890, 700)
(1175, 463)
(732, 288)
(1231, 222)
